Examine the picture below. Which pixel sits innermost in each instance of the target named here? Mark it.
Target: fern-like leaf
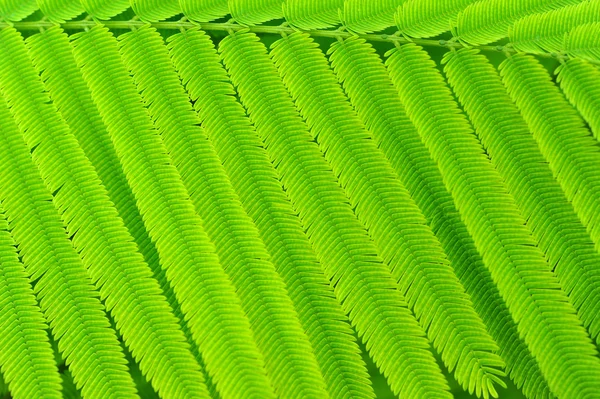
(207, 298)
(254, 12)
(426, 18)
(313, 14)
(394, 221)
(370, 16)
(16, 10)
(486, 21)
(573, 154)
(155, 10)
(60, 10)
(517, 265)
(580, 81)
(255, 180)
(65, 292)
(369, 87)
(104, 9)
(288, 355)
(26, 357)
(125, 281)
(363, 285)
(516, 155)
(584, 41)
(204, 10)
(546, 31)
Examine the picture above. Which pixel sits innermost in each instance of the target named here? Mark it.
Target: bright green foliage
(363, 285)
(486, 21)
(60, 10)
(394, 221)
(47, 253)
(207, 298)
(86, 125)
(26, 357)
(584, 41)
(573, 154)
(514, 152)
(256, 182)
(15, 10)
(516, 263)
(125, 281)
(104, 9)
(580, 81)
(196, 201)
(369, 16)
(359, 68)
(313, 14)
(155, 10)
(253, 12)
(287, 352)
(75, 104)
(426, 18)
(204, 10)
(546, 31)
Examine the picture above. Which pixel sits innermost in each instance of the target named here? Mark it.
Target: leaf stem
(278, 30)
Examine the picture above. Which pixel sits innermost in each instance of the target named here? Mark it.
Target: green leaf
(427, 18)
(16, 10)
(206, 295)
(584, 41)
(572, 153)
(363, 285)
(254, 12)
(580, 81)
(370, 16)
(289, 358)
(125, 281)
(486, 21)
(26, 357)
(546, 31)
(204, 10)
(377, 102)
(313, 14)
(64, 289)
(510, 252)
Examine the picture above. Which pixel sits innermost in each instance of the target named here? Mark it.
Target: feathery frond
(60, 10)
(573, 154)
(44, 246)
(108, 251)
(26, 357)
(313, 14)
(486, 21)
(426, 18)
(207, 298)
(584, 41)
(204, 10)
(256, 182)
(104, 9)
(288, 355)
(202, 201)
(155, 10)
(74, 102)
(580, 81)
(16, 10)
(370, 16)
(371, 91)
(518, 267)
(254, 12)
(514, 152)
(546, 31)
(394, 221)
(363, 285)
